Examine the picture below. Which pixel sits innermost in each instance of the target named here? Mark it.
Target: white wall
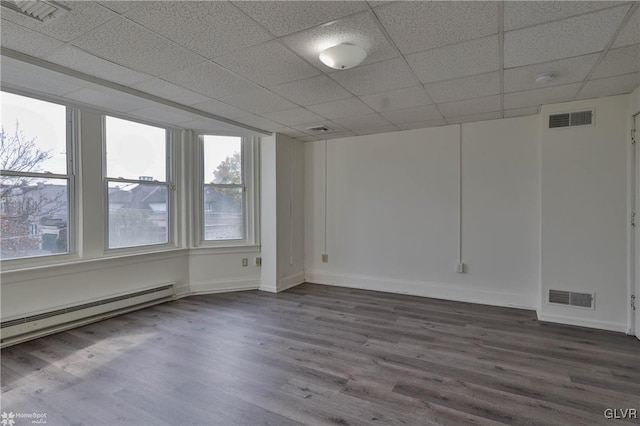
(584, 213)
(393, 205)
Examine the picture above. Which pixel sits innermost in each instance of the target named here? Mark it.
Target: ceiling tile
(286, 17)
(360, 29)
(416, 26)
(170, 91)
(121, 6)
(548, 95)
(422, 124)
(518, 14)
(76, 59)
(470, 106)
(293, 117)
(519, 112)
(259, 122)
(623, 60)
(21, 39)
(376, 130)
(376, 78)
(460, 60)
(338, 135)
(566, 71)
(363, 122)
(268, 64)
(128, 44)
(259, 101)
(221, 109)
(557, 40)
(210, 80)
(411, 115)
(475, 117)
(342, 108)
(290, 132)
(310, 91)
(397, 99)
(332, 126)
(210, 28)
(630, 34)
(474, 86)
(83, 16)
(609, 86)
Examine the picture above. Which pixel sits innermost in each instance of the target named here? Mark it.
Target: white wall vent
(570, 119)
(319, 129)
(569, 298)
(42, 10)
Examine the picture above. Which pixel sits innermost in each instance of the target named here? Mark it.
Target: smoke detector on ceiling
(42, 10)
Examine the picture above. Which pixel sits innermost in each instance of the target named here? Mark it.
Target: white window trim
(250, 175)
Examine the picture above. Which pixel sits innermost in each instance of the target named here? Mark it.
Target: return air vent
(319, 129)
(42, 10)
(568, 298)
(570, 119)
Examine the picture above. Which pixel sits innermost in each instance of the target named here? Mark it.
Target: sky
(216, 149)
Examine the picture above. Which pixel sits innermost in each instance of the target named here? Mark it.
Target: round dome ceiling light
(343, 56)
(545, 78)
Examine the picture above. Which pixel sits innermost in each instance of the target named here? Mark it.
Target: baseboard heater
(22, 329)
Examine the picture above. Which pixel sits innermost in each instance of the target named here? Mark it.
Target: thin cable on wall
(325, 196)
(460, 195)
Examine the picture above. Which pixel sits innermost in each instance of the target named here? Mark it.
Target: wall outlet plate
(258, 261)
(325, 258)
(460, 268)
(245, 261)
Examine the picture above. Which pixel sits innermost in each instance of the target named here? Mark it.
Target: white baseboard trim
(423, 288)
(291, 281)
(268, 288)
(601, 325)
(224, 286)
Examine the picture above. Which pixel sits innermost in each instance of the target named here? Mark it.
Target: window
(36, 178)
(224, 189)
(138, 183)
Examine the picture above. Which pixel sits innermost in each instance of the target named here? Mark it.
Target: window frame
(170, 183)
(250, 185)
(72, 121)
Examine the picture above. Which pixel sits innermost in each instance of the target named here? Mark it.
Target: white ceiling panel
(565, 70)
(170, 91)
(630, 34)
(474, 86)
(121, 6)
(128, 44)
(518, 14)
(282, 17)
(460, 60)
(76, 59)
(475, 117)
(547, 95)
(343, 108)
(412, 115)
(293, 117)
(162, 115)
(210, 80)
(422, 124)
(377, 130)
(209, 28)
(376, 78)
(290, 132)
(470, 106)
(561, 39)
(83, 16)
(21, 39)
(221, 109)
(623, 60)
(332, 126)
(259, 122)
(360, 29)
(417, 26)
(519, 112)
(338, 135)
(310, 91)
(609, 86)
(268, 64)
(259, 101)
(397, 99)
(363, 122)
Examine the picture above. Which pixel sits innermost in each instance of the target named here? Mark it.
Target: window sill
(206, 250)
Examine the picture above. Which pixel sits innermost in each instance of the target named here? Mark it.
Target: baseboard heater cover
(22, 329)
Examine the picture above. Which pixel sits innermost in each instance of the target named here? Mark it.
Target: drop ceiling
(256, 63)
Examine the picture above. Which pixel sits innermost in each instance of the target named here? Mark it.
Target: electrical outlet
(460, 268)
(325, 258)
(290, 260)
(245, 261)
(258, 261)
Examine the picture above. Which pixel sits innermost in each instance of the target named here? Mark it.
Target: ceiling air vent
(570, 119)
(568, 298)
(42, 10)
(318, 129)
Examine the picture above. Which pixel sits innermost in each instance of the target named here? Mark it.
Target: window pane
(138, 214)
(222, 159)
(223, 218)
(135, 151)
(34, 135)
(34, 217)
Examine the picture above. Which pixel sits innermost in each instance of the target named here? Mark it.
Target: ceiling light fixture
(545, 78)
(343, 56)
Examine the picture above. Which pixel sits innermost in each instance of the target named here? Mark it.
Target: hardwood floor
(323, 355)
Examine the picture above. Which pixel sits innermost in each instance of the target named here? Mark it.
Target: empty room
(319, 212)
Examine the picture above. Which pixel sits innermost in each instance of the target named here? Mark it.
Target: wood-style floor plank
(321, 355)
